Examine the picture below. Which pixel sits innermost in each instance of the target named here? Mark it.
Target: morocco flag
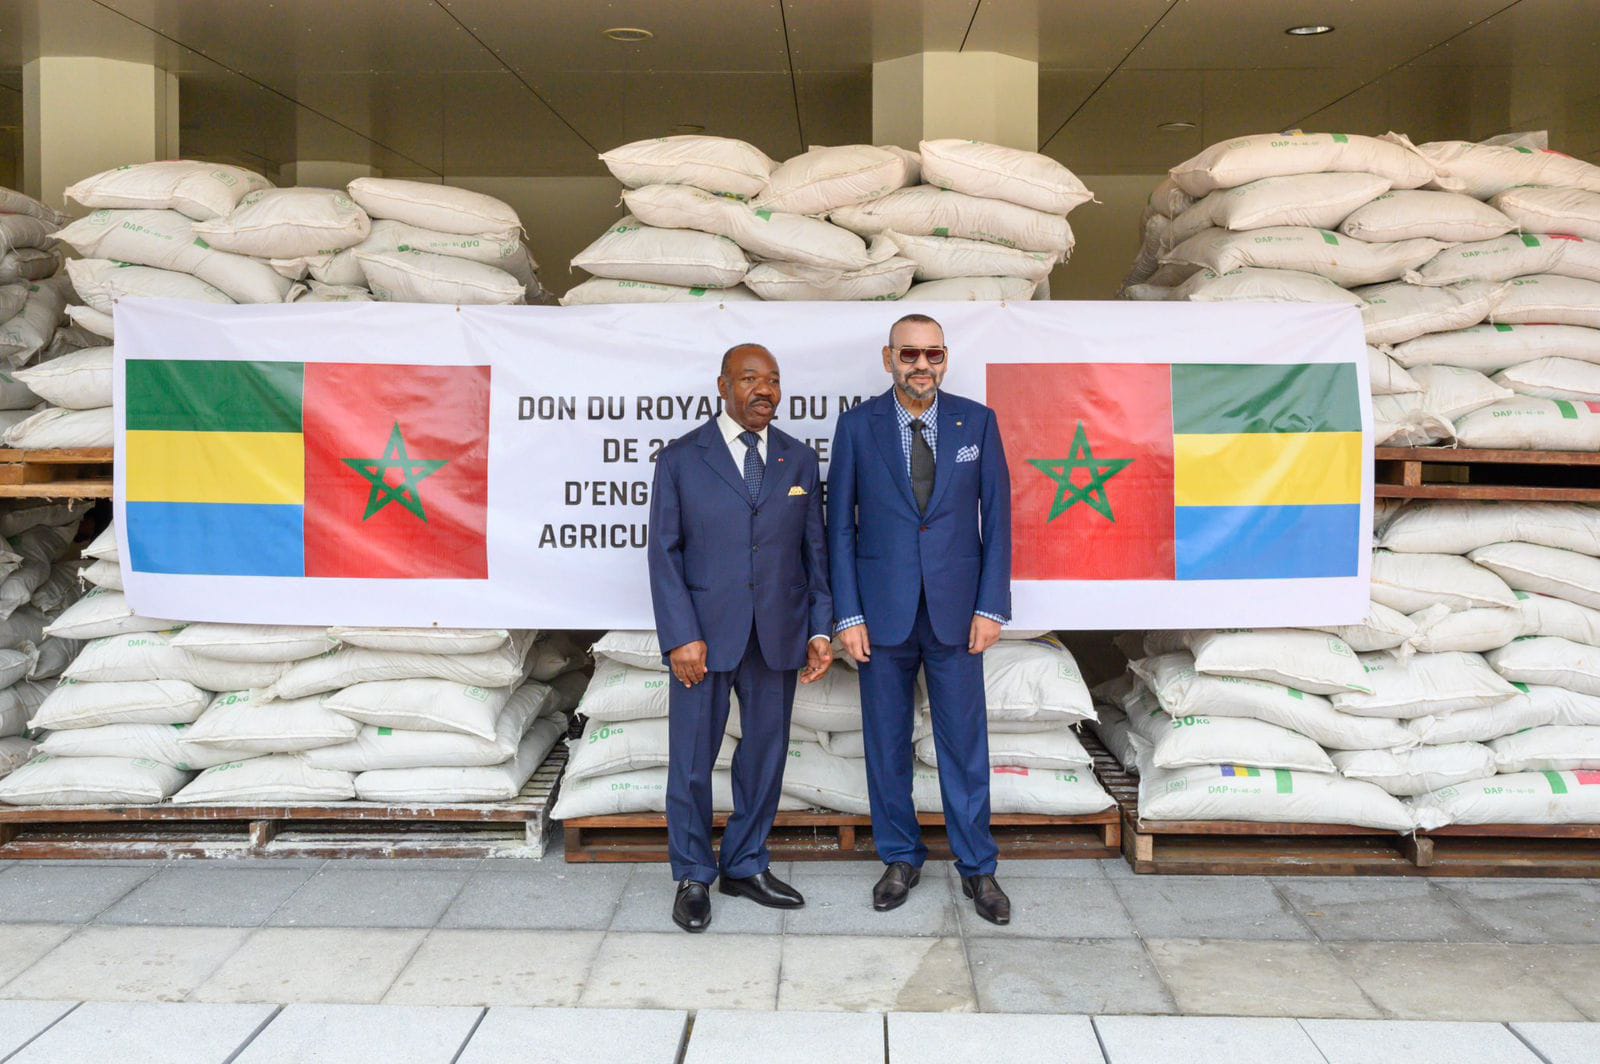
(1181, 472)
(307, 469)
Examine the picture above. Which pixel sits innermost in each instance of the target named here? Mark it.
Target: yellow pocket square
(797, 490)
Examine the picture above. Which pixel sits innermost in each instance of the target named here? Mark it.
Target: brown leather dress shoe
(894, 886)
(988, 899)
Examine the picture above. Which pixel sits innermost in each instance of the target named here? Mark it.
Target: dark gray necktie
(921, 466)
(754, 468)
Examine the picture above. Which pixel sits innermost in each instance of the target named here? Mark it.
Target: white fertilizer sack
(441, 208)
(1195, 741)
(1425, 685)
(423, 705)
(1516, 798)
(254, 642)
(634, 252)
(1244, 159)
(235, 723)
(198, 190)
(90, 705)
(273, 778)
(825, 179)
(153, 742)
(1306, 660)
(1551, 748)
(1552, 378)
(1411, 214)
(1058, 749)
(91, 781)
(715, 164)
(1234, 792)
(991, 171)
(385, 748)
(1525, 423)
(607, 749)
(1413, 582)
(1460, 527)
(1549, 660)
(928, 211)
(621, 692)
(1544, 570)
(489, 783)
(1411, 772)
(765, 234)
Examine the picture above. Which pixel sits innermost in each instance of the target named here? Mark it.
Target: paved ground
(54, 1032)
(1089, 939)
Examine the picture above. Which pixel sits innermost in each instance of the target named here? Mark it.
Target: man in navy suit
(919, 529)
(739, 581)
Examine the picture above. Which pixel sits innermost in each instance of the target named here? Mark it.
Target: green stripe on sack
(1210, 398)
(1341, 138)
(1568, 411)
(1329, 238)
(1504, 328)
(213, 396)
(1530, 240)
(1557, 784)
(1285, 780)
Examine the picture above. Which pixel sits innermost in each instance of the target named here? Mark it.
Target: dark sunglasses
(934, 355)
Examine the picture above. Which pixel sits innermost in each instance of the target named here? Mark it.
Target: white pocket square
(968, 453)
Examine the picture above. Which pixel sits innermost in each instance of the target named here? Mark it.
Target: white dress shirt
(730, 435)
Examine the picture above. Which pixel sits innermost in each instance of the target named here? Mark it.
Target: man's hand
(819, 656)
(985, 634)
(689, 662)
(856, 642)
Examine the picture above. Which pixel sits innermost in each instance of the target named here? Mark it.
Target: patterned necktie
(754, 468)
(921, 466)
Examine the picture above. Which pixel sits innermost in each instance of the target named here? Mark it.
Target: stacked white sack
(835, 223)
(620, 763)
(1450, 258)
(33, 595)
(1481, 656)
(1518, 584)
(1233, 726)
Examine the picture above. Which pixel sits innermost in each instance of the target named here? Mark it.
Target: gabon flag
(307, 469)
(1182, 471)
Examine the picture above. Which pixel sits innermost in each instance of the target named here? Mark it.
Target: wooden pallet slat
(1468, 473)
(516, 828)
(68, 473)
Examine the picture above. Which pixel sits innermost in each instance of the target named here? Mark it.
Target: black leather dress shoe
(764, 888)
(691, 910)
(894, 886)
(987, 898)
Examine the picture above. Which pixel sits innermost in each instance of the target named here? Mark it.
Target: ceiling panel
(277, 41)
(852, 34)
(1369, 36)
(489, 125)
(835, 107)
(537, 37)
(612, 108)
(1056, 34)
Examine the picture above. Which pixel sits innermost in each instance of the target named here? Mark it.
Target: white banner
(581, 399)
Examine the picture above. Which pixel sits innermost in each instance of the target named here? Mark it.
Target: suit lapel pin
(958, 424)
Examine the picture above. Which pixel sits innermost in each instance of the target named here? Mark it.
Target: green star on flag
(412, 472)
(1069, 494)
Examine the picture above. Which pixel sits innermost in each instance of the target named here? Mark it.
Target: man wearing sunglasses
(919, 533)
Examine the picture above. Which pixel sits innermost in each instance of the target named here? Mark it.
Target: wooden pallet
(79, 473)
(1454, 473)
(1241, 848)
(518, 828)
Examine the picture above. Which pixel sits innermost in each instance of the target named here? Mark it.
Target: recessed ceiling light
(1176, 127)
(687, 127)
(628, 34)
(1308, 31)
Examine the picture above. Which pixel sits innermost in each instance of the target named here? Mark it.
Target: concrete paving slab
(646, 905)
(1052, 908)
(577, 1036)
(1381, 910)
(353, 896)
(909, 974)
(1209, 907)
(338, 1034)
(1116, 868)
(207, 895)
(1416, 1042)
(681, 971)
(1467, 981)
(313, 964)
(1570, 971)
(128, 964)
(147, 1033)
(460, 967)
(727, 1037)
(21, 945)
(842, 905)
(1050, 975)
(1243, 978)
(1066, 868)
(1142, 1039)
(579, 898)
(1555, 911)
(66, 894)
(932, 1038)
(22, 1021)
(1561, 1043)
(865, 871)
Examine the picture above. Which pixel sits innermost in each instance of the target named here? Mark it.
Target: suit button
(756, 514)
(752, 587)
(754, 549)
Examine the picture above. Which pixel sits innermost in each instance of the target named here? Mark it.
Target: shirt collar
(731, 430)
(929, 416)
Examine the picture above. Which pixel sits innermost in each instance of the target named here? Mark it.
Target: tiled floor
(60, 1032)
(1088, 938)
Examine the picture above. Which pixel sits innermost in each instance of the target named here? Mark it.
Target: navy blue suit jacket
(886, 554)
(720, 563)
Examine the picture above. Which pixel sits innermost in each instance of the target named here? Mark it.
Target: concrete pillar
(323, 173)
(974, 95)
(84, 114)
